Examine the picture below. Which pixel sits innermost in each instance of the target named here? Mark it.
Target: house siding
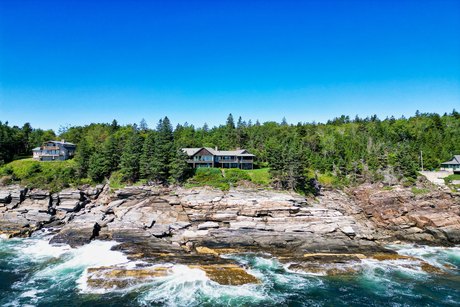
(205, 157)
(54, 151)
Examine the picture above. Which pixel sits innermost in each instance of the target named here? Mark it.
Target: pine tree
(143, 125)
(230, 122)
(82, 158)
(114, 126)
(230, 141)
(111, 155)
(146, 162)
(163, 152)
(284, 122)
(130, 158)
(179, 168)
(97, 168)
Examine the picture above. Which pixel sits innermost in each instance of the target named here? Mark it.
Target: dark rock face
(153, 223)
(433, 217)
(22, 211)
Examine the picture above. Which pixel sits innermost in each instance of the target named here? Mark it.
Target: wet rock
(227, 274)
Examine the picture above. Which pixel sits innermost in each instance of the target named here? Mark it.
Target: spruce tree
(179, 168)
(130, 158)
(82, 158)
(163, 152)
(111, 155)
(146, 162)
(97, 167)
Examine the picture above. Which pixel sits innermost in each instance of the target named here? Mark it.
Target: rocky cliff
(194, 226)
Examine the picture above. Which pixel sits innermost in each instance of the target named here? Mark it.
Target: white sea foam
(185, 286)
(438, 256)
(61, 265)
(41, 249)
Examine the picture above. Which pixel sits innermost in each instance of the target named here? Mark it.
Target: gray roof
(455, 160)
(238, 152)
(36, 149)
(191, 151)
(62, 143)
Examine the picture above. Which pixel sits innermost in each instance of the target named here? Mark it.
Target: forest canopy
(348, 150)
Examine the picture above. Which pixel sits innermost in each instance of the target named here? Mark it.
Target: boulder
(69, 205)
(208, 225)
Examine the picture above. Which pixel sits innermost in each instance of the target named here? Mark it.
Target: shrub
(7, 170)
(33, 169)
(409, 182)
(116, 180)
(234, 175)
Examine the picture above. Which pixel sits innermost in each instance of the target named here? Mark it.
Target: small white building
(453, 164)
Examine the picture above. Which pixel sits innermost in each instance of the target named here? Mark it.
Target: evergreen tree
(82, 157)
(163, 152)
(148, 151)
(97, 167)
(230, 140)
(111, 155)
(114, 126)
(179, 168)
(230, 122)
(130, 158)
(143, 125)
(284, 122)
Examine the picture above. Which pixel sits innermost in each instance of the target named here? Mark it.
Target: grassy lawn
(449, 179)
(52, 175)
(260, 176)
(452, 177)
(225, 178)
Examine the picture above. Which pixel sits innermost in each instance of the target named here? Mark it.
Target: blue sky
(77, 62)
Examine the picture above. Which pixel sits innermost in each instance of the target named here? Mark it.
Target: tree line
(346, 150)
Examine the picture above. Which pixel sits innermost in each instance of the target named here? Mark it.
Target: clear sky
(77, 62)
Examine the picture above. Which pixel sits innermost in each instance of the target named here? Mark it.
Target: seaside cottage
(453, 164)
(208, 157)
(54, 151)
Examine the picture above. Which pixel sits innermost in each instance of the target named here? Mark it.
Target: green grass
(116, 181)
(418, 191)
(225, 178)
(451, 178)
(53, 175)
(260, 176)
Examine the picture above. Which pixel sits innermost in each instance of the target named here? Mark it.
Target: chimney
(216, 148)
(63, 141)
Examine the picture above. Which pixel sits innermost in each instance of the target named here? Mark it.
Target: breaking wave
(36, 273)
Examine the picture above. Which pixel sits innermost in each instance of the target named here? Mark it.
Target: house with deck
(54, 151)
(209, 157)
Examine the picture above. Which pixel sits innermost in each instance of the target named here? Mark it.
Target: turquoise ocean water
(35, 273)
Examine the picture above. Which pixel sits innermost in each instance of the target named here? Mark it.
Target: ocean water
(35, 273)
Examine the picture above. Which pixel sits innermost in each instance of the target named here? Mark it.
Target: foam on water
(51, 274)
(54, 268)
(185, 286)
(434, 255)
